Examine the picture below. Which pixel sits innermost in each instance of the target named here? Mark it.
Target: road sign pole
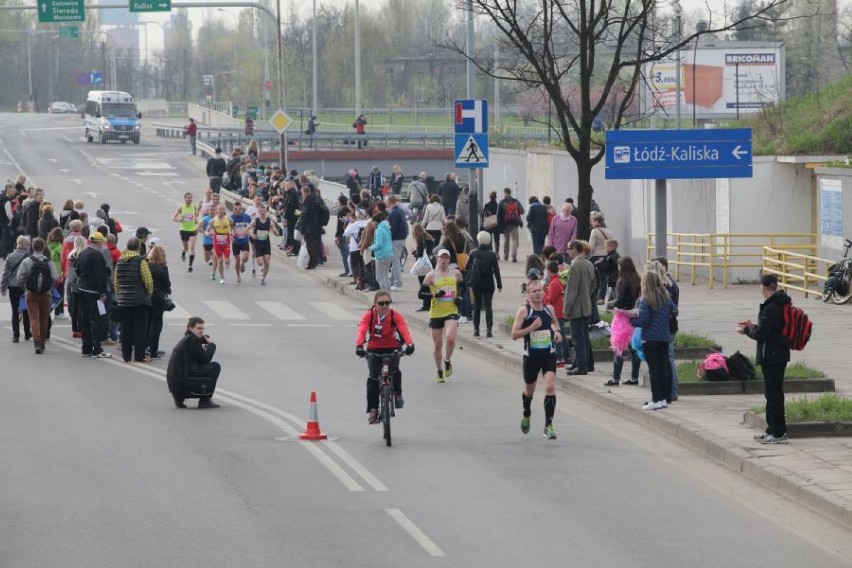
(660, 213)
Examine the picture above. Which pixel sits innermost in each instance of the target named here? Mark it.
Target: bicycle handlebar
(395, 353)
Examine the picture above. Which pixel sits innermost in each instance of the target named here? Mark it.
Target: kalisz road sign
(150, 5)
(471, 116)
(50, 11)
(678, 154)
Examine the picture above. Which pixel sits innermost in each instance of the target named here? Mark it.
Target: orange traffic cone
(312, 429)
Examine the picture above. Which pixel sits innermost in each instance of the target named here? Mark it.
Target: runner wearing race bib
(206, 240)
(219, 229)
(536, 323)
(259, 231)
(441, 286)
(187, 216)
(240, 244)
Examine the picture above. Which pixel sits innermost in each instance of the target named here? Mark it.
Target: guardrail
(796, 271)
(230, 138)
(726, 251)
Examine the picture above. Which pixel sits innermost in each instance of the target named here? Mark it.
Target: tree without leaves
(601, 45)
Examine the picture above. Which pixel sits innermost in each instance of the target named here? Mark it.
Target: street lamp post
(282, 149)
(678, 14)
(236, 35)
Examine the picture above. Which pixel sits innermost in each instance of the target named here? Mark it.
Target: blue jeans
(580, 336)
(344, 253)
(538, 241)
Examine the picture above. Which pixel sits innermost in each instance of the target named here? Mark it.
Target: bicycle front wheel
(386, 403)
(837, 298)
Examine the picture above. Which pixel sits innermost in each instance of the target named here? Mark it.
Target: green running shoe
(448, 369)
(525, 424)
(439, 378)
(549, 432)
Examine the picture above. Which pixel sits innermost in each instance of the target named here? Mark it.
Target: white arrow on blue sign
(678, 154)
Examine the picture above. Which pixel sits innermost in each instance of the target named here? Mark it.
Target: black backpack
(325, 215)
(474, 272)
(740, 367)
(39, 280)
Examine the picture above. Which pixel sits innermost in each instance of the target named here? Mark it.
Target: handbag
(489, 221)
(461, 257)
(168, 303)
(673, 327)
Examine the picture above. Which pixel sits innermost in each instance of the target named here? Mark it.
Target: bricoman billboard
(716, 80)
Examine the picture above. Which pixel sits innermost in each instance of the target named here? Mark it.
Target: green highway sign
(150, 5)
(69, 32)
(50, 11)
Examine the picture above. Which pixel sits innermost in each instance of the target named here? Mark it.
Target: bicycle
(403, 258)
(387, 404)
(838, 287)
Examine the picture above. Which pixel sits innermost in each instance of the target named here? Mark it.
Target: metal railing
(710, 253)
(796, 271)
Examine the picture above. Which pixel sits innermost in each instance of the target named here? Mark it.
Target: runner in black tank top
(536, 324)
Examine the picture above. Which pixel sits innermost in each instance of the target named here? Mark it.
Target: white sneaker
(652, 405)
(222, 281)
(462, 319)
(396, 287)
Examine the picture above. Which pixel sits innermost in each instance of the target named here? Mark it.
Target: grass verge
(830, 407)
(682, 339)
(686, 372)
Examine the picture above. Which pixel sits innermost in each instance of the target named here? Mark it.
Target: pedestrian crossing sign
(471, 150)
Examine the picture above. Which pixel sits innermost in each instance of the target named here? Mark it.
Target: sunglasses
(383, 303)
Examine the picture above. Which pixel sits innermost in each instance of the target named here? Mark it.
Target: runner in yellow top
(220, 229)
(442, 286)
(187, 216)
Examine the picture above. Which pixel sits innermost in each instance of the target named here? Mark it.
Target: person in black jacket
(772, 356)
(483, 269)
(489, 210)
(162, 289)
(289, 212)
(537, 224)
(448, 191)
(191, 372)
(310, 224)
(92, 275)
(133, 286)
(216, 168)
(509, 221)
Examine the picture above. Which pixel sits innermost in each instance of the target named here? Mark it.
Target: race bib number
(261, 235)
(541, 339)
(221, 239)
(449, 294)
(188, 217)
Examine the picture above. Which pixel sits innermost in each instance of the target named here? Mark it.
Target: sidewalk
(816, 472)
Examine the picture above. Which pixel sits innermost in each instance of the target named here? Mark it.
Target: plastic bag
(636, 343)
(297, 234)
(303, 259)
(422, 267)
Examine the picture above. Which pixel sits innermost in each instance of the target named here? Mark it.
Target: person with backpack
(37, 274)
(483, 269)
(418, 194)
(509, 221)
(773, 353)
(388, 333)
(16, 290)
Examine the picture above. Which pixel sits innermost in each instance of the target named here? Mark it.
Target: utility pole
(473, 174)
(314, 105)
(282, 151)
(357, 60)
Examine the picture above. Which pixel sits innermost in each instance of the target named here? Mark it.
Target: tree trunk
(584, 196)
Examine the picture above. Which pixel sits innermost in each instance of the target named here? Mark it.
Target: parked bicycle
(387, 405)
(838, 287)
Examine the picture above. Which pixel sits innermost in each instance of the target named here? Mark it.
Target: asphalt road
(100, 469)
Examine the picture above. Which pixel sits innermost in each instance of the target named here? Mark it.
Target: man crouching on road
(191, 374)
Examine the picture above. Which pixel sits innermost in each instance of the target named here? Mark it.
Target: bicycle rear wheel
(387, 401)
(837, 298)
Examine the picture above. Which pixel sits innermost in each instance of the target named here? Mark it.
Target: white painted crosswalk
(249, 312)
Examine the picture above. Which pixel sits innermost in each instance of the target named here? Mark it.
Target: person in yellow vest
(442, 287)
(187, 216)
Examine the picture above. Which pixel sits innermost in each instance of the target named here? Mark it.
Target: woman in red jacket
(554, 296)
(387, 332)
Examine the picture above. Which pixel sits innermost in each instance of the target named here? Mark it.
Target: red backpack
(797, 327)
(512, 213)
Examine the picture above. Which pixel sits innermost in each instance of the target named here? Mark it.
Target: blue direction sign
(678, 154)
(471, 116)
(96, 78)
(471, 150)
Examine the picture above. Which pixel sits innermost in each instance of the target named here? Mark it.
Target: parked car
(61, 107)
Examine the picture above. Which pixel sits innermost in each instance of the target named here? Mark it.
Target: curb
(739, 459)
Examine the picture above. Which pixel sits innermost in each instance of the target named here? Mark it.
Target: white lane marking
(333, 311)
(156, 174)
(415, 532)
(226, 310)
(371, 479)
(17, 165)
(77, 181)
(255, 407)
(177, 313)
(308, 325)
(53, 160)
(280, 311)
(249, 324)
